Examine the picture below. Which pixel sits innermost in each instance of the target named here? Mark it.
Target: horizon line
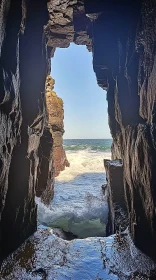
(87, 138)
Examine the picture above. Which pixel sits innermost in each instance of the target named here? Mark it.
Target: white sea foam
(79, 205)
(83, 161)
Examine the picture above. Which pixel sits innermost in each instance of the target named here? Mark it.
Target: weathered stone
(118, 220)
(45, 171)
(46, 256)
(122, 38)
(56, 124)
(68, 23)
(22, 116)
(124, 62)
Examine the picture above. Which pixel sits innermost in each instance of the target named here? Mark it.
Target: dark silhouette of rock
(23, 71)
(124, 62)
(117, 220)
(121, 35)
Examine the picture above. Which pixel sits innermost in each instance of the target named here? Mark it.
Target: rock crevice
(127, 70)
(121, 35)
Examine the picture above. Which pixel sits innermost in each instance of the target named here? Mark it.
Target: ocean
(85, 156)
(79, 205)
(100, 145)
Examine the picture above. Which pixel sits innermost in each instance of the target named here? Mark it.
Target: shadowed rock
(118, 220)
(122, 36)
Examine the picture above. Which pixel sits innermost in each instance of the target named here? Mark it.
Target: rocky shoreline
(54, 254)
(122, 38)
(48, 257)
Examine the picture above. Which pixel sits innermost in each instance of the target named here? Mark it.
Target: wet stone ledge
(46, 256)
(118, 218)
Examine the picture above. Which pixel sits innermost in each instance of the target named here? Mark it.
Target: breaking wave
(79, 205)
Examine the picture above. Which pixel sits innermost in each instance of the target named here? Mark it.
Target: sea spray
(83, 162)
(79, 205)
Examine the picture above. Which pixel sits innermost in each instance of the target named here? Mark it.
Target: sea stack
(56, 124)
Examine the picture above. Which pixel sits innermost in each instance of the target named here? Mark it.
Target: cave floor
(48, 257)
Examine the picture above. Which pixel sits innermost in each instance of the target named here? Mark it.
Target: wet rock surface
(45, 256)
(23, 117)
(118, 216)
(124, 63)
(122, 36)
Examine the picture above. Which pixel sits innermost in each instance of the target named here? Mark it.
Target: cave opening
(121, 35)
(78, 119)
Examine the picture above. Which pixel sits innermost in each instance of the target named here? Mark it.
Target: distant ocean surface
(97, 145)
(79, 205)
(85, 156)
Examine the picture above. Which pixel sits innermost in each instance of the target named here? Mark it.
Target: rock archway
(123, 61)
(121, 35)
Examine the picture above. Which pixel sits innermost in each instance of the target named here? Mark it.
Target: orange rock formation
(56, 124)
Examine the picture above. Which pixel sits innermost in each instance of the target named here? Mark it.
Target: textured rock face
(45, 175)
(23, 60)
(124, 62)
(56, 124)
(26, 158)
(117, 220)
(122, 36)
(45, 256)
(68, 23)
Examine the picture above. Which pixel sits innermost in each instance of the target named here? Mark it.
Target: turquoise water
(79, 205)
(90, 144)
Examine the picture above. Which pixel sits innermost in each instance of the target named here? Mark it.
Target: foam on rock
(46, 256)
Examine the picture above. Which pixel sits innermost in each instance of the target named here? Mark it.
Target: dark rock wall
(23, 70)
(122, 36)
(124, 63)
(118, 218)
(26, 145)
(45, 171)
(67, 23)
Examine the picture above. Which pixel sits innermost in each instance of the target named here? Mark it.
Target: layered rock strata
(68, 23)
(124, 63)
(23, 71)
(56, 124)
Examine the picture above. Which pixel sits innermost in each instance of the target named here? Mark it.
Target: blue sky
(85, 104)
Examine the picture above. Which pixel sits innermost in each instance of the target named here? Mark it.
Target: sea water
(80, 206)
